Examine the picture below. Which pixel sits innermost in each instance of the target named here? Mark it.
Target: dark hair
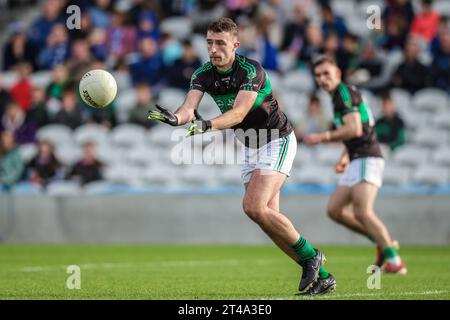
(321, 59)
(314, 98)
(386, 95)
(224, 25)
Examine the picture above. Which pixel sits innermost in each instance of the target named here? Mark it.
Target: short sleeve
(253, 79)
(344, 103)
(198, 81)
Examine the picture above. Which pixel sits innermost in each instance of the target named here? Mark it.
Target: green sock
(323, 273)
(304, 249)
(390, 252)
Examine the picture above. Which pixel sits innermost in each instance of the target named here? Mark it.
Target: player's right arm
(186, 112)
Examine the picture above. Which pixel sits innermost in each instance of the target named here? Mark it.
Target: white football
(98, 88)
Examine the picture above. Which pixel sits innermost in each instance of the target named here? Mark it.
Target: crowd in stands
(126, 36)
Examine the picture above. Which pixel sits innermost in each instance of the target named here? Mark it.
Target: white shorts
(278, 156)
(363, 169)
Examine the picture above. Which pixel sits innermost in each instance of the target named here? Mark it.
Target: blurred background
(71, 173)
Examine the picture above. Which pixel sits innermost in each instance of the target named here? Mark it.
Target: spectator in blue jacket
(147, 66)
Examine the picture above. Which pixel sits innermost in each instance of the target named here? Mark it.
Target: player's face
(221, 48)
(327, 76)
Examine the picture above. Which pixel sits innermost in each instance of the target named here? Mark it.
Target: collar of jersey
(229, 70)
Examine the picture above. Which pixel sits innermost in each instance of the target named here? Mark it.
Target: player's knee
(254, 211)
(334, 213)
(361, 213)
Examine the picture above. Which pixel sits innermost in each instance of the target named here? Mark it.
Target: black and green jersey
(347, 99)
(265, 117)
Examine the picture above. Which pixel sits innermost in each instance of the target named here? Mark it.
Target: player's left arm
(242, 106)
(352, 128)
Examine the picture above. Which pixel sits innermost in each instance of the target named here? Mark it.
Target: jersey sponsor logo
(224, 103)
(251, 75)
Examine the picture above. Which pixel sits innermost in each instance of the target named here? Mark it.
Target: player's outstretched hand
(198, 126)
(163, 115)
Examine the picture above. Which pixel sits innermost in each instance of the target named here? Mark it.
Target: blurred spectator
(5, 97)
(80, 59)
(170, 49)
(425, 23)
(153, 6)
(440, 68)
(21, 91)
(60, 79)
(294, 31)
(100, 13)
(406, 75)
(397, 18)
(148, 26)
(205, 11)
(18, 49)
(38, 114)
(443, 28)
(146, 67)
(121, 36)
(70, 114)
(375, 63)
(57, 48)
(314, 120)
(390, 128)
(97, 42)
(14, 120)
(88, 169)
(313, 43)
(86, 27)
(179, 74)
(11, 163)
(51, 15)
(145, 102)
(171, 8)
(266, 50)
(238, 10)
(44, 167)
(348, 54)
(331, 23)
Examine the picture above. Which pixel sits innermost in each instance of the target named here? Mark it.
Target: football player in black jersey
(242, 91)
(361, 163)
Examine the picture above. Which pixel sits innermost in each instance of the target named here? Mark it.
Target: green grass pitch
(209, 272)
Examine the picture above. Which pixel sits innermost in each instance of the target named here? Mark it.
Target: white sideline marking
(174, 263)
(349, 295)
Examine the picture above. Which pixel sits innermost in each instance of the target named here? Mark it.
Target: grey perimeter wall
(204, 219)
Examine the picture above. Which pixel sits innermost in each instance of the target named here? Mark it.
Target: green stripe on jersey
(345, 95)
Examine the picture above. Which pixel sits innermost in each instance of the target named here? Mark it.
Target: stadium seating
(431, 175)
(64, 188)
(57, 134)
(411, 155)
(27, 151)
(432, 100)
(314, 174)
(91, 133)
(396, 175)
(126, 135)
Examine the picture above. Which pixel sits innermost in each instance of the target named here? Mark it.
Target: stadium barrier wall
(165, 218)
